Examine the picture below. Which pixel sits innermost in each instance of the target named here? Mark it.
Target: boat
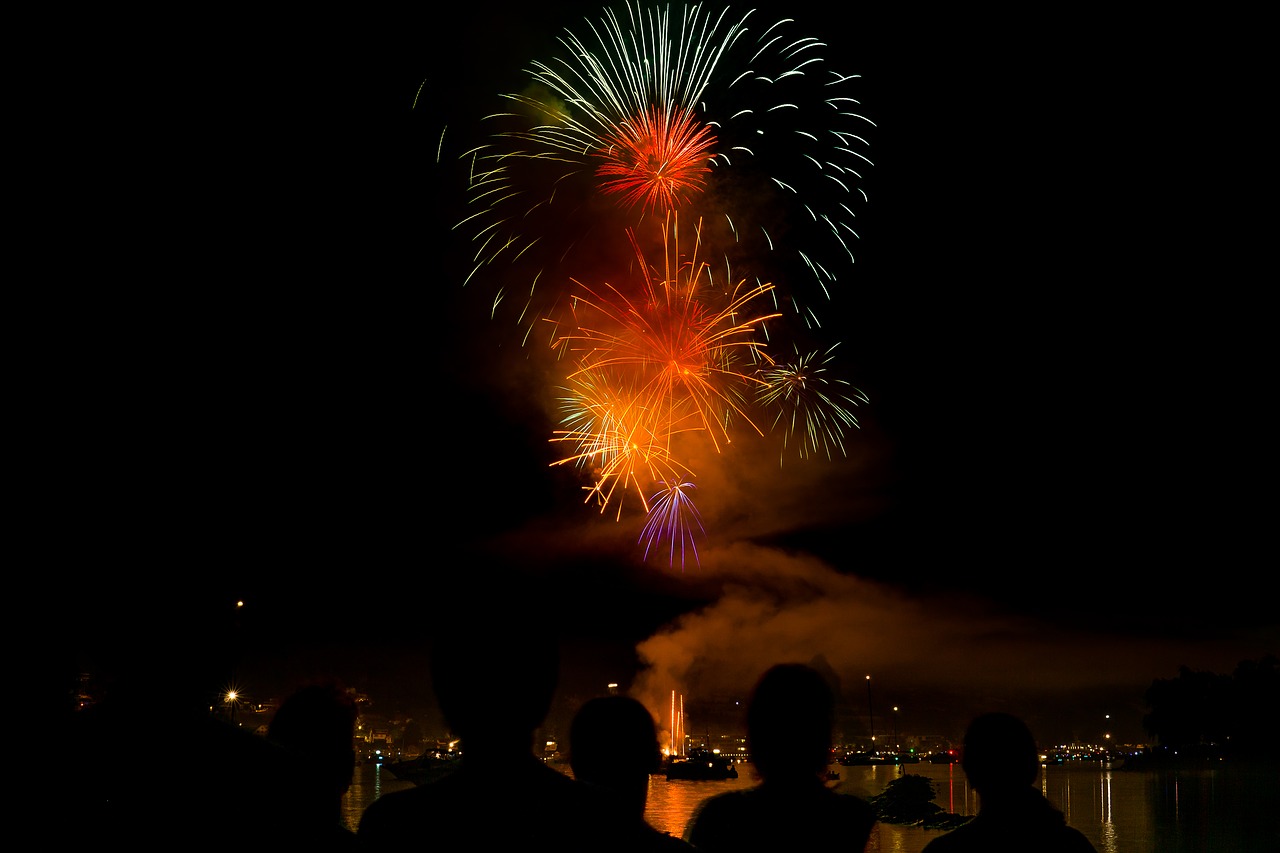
(701, 765)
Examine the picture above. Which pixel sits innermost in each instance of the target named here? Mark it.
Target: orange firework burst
(650, 367)
(678, 345)
(617, 440)
(657, 160)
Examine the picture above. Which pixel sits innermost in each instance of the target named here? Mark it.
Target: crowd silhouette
(286, 790)
(230, 786)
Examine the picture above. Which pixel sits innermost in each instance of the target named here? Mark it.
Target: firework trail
(730, 117)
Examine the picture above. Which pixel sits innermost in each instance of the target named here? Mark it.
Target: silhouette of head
(495, 662)
(318, 723)
(613, 746)
(999, 754)
(789, 722)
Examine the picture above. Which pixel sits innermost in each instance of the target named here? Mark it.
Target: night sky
(271, 384)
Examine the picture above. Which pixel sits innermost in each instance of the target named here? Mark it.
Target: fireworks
(673, 517)
(616, 440)
(647, 118)
(678, 345)
(811, 405)
(650, 367)
(734, 120)
(657, 160)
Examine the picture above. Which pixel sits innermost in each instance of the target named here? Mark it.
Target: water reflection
(1224, 809)
(968, 802)
(370, 782)
(1108, 836)
(672, 803)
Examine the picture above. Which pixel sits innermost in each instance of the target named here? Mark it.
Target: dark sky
(271, 384)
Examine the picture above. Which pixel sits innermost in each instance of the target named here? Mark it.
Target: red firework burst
(657, 160)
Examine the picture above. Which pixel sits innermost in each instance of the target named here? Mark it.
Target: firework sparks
(651, 366)
(662, 109)
(657, 160)
(616, 440)
(677, 344)
(650, 116)
(673, 517)
(810, 404)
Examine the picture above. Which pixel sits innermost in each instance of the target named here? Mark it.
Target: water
(370, 782)
(1220, 810)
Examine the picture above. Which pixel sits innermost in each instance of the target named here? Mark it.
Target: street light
(231, 704)
(896, 745)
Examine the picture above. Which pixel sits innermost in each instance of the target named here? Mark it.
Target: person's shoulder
(717, 804)
(663, 843)
(854, 810)
(547, 787)
(338, 839)
(957, 840)
(726, 802)
(551, 776)
(444, 811)
(650, 839)
(1075, 841)
(941, 844)
(397, 814)
(849, 801)
(717, 819)
(980, 835)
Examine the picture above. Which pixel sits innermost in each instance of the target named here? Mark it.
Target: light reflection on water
(1232, 810)
(670, 804)
(370, 782)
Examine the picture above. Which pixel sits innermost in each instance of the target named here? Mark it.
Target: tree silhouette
(1223, 714)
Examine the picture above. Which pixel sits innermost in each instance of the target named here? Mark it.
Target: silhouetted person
(151, 767)
(613, 748)
(1002, 764)
(317, 723)
(790, 717)
(495, 669)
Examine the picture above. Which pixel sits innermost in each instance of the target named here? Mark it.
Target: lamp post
(871, 714)
(896, 746)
